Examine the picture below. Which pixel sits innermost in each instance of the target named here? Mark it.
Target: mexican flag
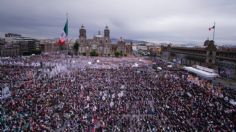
(62, 38)
(66, 28)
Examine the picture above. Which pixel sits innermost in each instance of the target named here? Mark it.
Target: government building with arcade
(101, 44)
(223, 60)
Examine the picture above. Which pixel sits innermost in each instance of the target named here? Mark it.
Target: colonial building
(209, 55)
(10, 50)
(15, 45)
(101, 44)
(49, 45)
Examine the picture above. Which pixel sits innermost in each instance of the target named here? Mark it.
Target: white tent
(201, 72)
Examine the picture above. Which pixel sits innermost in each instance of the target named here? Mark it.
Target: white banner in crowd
(111, 104)
(6, 93)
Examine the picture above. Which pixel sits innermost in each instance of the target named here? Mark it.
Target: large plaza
(62, 93)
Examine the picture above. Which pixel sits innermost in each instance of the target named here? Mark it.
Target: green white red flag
(62, 38)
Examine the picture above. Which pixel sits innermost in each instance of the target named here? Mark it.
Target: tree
(117, 53)
(121, 53)
(84, 54)
(76, 47)
(93, 53)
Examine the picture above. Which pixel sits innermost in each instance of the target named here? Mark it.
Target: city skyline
(152, 20)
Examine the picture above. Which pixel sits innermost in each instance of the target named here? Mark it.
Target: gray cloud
(151, 20)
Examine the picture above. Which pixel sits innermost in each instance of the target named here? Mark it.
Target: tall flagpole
(67, 14)
(214, 32)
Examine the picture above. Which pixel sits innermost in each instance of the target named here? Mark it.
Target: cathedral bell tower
(82, 34)
(107, 35)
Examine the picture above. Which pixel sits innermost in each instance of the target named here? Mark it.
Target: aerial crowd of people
(127, 96)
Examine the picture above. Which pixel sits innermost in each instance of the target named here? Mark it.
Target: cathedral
(101, 44)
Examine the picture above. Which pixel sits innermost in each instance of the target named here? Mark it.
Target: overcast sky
(151, 20)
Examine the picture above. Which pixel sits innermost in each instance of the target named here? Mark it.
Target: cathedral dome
(106, 28)
(99, 35)
(82, 27)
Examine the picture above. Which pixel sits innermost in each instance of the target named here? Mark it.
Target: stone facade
(222, 60)
(48, 45)
(101, 44)
(10, 50)
(15, 45)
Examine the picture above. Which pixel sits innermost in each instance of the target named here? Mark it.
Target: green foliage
(121, 53)
(76, 46)
(117, 53)
(93, 53)
(84, 54)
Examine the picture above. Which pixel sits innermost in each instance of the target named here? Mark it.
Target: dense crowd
(122, 98)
